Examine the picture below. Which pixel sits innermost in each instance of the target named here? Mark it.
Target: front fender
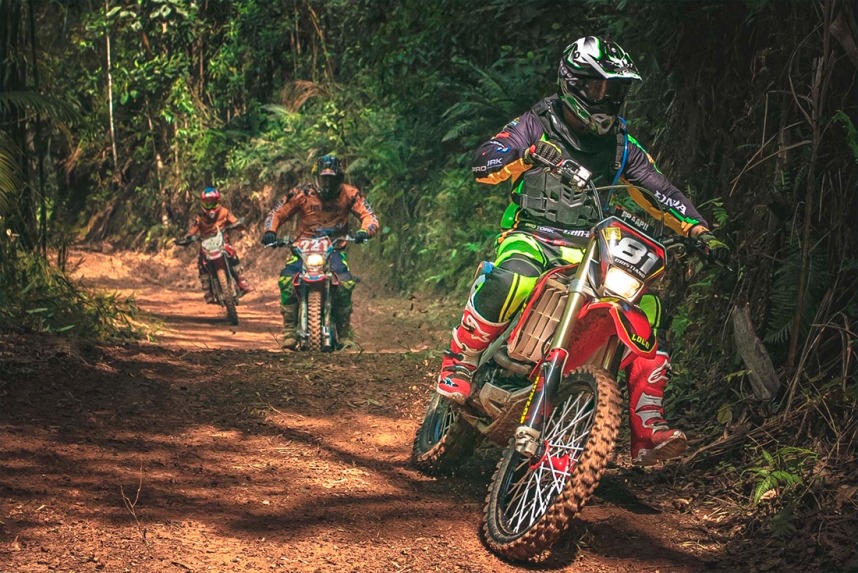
(631, 323)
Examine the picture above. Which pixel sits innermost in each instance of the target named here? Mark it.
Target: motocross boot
(344, 317)
(470, 339)
(290, 318)
(242, 283)
(652, 438)
(206, 286)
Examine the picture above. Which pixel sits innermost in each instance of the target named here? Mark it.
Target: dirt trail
(208, 450)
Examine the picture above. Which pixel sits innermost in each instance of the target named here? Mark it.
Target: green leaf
(725, 414)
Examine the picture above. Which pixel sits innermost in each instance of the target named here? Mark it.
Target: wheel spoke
(532, 493)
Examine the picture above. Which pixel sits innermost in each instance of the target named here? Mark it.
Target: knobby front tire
(314, 319)
(531, 502)
(228, 298)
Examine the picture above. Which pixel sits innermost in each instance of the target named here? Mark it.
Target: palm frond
(49, 106)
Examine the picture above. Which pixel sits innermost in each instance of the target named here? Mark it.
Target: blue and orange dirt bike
(315, 286)
(546, 389)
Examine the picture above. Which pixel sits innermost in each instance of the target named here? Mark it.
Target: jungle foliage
(114, 114)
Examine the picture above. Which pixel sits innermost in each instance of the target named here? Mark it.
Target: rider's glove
(715, 249)
(361, 236)
(269, 238)
(544, 149)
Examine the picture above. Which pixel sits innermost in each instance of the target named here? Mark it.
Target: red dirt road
(208, 450)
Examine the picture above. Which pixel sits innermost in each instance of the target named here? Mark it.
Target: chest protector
(542, 198)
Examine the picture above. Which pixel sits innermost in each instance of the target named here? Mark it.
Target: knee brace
(499, 293)
(287, 291)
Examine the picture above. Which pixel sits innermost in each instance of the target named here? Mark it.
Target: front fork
(550, 373)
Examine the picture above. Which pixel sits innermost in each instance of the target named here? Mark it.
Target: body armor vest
(542, 199)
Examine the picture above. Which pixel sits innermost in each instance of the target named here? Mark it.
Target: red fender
(632, 325)
(602, 318)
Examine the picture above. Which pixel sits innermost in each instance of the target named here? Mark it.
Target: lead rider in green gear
(541, 230)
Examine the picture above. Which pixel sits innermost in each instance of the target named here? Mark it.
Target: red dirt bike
(315, 286)
(224, 287)
(546, 389)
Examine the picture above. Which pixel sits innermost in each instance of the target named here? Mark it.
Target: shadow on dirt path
(209, 452)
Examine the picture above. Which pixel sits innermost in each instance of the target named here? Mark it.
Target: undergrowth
(36, 295)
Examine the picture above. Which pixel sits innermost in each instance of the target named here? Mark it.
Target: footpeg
(526, 441)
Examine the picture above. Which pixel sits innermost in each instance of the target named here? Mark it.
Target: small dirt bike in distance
(546, 389)
(223, 284)
(315, 286)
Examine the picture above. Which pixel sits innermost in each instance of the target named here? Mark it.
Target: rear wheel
(531, 501)
(444, 440)
(314, 319)
(227, 296)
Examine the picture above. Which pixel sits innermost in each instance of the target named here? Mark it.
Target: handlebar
(287, 242)
(572, 173)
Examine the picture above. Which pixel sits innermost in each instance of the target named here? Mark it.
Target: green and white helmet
(594, 77)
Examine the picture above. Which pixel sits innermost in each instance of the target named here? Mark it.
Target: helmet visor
(600, 90)
(208, 206)
(597, 90)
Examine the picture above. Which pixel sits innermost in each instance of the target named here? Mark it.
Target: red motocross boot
(470, 339)
(652, 439)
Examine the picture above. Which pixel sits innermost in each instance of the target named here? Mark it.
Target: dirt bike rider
(324, 206)
(581, 123)
(213, 217)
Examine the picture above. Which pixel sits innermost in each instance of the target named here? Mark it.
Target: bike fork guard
(538, 407)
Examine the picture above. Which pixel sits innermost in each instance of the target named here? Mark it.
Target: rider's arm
(680, 213)
(284, 209)
(363, 211)
(230, 218)
(501, 157)
(195, 227)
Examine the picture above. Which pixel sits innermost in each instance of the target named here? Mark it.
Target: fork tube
(551, 370)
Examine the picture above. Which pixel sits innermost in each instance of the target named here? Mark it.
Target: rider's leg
(206, 286)
(289, 304)
(495, 298)
(205, 280)
(652, 438)
(343, 298)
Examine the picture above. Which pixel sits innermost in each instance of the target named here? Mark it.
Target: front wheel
(314, 319)
(444, 440)
(226, 293)
(532, 500)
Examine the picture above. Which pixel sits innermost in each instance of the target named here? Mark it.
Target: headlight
(315, 260)
(621, 283)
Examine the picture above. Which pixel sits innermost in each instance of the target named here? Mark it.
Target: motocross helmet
(328, 177)
(210, 202)
(594, 77)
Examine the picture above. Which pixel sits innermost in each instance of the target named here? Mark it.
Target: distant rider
(540, 231)
(323, 206)
(213, 218)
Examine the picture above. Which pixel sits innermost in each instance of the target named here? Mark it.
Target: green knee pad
(287, 291)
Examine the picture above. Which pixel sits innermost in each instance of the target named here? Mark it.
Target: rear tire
(227, 296)
(531, 502)
(314, 319)
(444, 439)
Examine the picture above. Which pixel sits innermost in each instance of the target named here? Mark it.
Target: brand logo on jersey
(674, 203)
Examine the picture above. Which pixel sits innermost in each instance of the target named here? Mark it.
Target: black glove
(544, 149)
(715, 249)
(269, 238)
(361, 236)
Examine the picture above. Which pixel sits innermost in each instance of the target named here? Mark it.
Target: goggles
(598, 90)
(210, 206)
